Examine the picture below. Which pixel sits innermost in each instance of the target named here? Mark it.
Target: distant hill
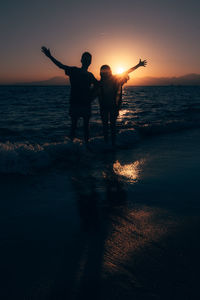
(189, 79)
(58, 80)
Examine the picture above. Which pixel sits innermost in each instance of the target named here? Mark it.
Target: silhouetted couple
(85, 87)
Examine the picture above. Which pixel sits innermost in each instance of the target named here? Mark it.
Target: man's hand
(46, 51)
(142, 63)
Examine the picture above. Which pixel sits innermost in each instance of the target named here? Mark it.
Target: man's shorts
(80, 111)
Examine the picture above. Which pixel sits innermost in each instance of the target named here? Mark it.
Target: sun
(120, 70)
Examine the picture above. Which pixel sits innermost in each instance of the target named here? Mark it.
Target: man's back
(81, 83)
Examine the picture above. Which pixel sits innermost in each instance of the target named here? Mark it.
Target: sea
(34, 123)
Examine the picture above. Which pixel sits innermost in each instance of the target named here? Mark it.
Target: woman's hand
(142, 63)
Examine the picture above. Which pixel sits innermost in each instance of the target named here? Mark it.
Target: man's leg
(74, 120)
(104, 118)
(86, 120)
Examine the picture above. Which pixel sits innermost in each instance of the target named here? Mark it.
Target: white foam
(24, 158)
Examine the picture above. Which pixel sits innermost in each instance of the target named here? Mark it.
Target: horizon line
(44, 82)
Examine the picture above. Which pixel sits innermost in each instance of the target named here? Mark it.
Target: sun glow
(120, 70)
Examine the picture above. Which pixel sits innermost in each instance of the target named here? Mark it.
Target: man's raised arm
(55, 61)
(140, 64)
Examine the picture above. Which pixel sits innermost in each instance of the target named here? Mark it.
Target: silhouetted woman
(110, 97)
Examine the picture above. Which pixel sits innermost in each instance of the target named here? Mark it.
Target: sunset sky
(118, 33)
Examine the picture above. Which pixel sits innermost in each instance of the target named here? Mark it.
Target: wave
(27, 158)
(8, 132)
(167, 127)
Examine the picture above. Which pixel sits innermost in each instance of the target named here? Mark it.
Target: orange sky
(163, 32)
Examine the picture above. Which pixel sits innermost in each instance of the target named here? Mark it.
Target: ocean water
(125, 221)
(34, 123)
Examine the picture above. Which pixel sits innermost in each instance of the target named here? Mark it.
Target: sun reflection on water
(129, 171)
(123, 112)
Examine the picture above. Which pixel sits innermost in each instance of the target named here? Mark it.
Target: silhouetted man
(82, 82)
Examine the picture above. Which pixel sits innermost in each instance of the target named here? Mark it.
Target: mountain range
(189, 79)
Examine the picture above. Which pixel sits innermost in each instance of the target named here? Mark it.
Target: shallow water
(34, 122)
(123, 224)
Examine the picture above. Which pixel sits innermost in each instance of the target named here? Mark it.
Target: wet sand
(123, 225)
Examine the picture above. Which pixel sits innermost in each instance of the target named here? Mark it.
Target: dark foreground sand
(117, 226)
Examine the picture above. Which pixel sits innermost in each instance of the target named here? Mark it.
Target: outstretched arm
(55, 61)
(140, 64)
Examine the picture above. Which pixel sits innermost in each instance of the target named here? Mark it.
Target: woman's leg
(113, 118)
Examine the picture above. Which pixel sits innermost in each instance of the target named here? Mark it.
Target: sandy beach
(122, 225)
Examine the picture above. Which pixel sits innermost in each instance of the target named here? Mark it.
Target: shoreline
(122, 226)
